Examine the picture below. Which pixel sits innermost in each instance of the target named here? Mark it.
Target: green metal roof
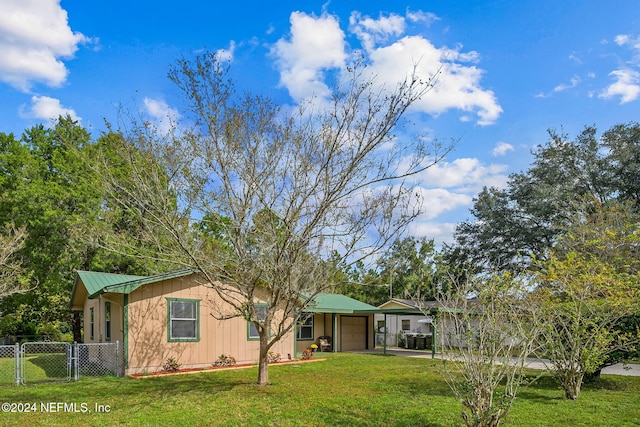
(101, 283)
(95, 281)
(337, 303)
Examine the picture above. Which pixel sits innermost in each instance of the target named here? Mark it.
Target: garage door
(353, 332)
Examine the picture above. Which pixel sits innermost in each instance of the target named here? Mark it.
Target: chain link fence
(45, 362)
(9, 364)
(100, 359)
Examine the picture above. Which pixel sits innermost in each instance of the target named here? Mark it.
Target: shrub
(273, 357)
(171, 365)
(224, 360)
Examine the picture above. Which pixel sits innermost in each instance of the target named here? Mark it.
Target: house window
(183, 319)
(91, 324)
(406, 325)
(107, 321)
(305, 329)
(381, 325)
(252, 329)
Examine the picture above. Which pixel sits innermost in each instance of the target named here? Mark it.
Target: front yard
(344, 390)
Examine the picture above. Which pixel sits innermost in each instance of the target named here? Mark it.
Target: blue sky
(511, 69)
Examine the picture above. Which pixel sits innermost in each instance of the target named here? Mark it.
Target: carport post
(385, 334)
(434, 335)
(334, 326)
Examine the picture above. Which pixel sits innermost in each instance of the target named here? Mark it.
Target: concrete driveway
(632, 370)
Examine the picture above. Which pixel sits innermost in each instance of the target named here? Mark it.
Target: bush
(273, 357)
(171, 365)
(224, 360)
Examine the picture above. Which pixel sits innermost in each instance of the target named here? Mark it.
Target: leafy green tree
(38, 195)
(409, 268)
(623, 143)
(524, 220)
(588, 285)
(359, 281)
(12, 280)
(406, 267)
(54, 195)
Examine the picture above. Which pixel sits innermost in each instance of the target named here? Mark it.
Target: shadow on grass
(50, 368)
(186, 384)
(134, 391)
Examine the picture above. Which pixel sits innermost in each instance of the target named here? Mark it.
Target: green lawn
(344, 390)
(37, 369)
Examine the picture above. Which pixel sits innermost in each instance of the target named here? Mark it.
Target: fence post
(75, 361)
(16, 356)
(117, 358)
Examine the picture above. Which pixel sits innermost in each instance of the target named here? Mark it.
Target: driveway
(632, 370)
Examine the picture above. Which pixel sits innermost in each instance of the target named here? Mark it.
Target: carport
(412, 308)
(347, 321)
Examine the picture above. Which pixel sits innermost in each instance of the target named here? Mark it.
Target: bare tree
(486, 334)
(11, 241)
(257, 196)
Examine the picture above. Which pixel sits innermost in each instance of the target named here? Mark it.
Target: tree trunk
(76, 326)
(263, 361)
(593, 376)
(571, 383)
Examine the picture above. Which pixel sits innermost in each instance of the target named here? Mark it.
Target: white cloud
(227, 53)
(501, 149)
(419, 16)
(626, 86)
(374, 31)
(440, 232)
(621, 39)
(465, 175)
(626, 83)
(574, 57)
(34, 38)
(458, 79)
(439, 200)
(317, 44)
(165, 118)
(573, 82)
(450, 186)
(564, 86)
(48, 109)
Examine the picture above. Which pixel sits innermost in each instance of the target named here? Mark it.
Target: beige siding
(393, 305)
(148, 344)
(99, 325)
